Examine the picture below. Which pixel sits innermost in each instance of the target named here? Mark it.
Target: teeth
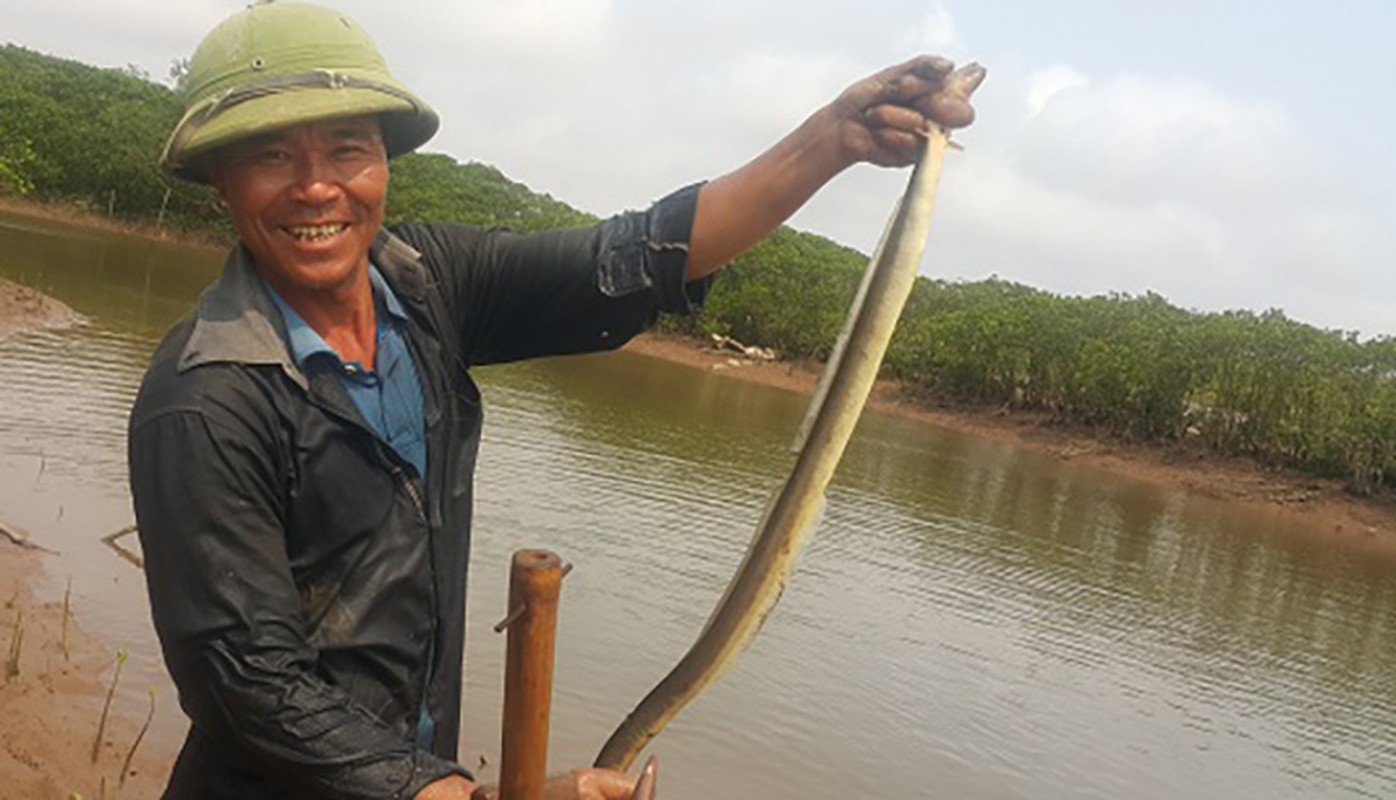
(312, 233)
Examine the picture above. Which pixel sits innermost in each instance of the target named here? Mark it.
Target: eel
(844, 388)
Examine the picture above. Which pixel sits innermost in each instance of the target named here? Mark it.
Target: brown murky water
(971, 620)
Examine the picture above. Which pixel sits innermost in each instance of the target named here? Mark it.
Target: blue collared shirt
(389, 394)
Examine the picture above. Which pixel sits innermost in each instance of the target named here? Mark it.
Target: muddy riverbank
(83, 217)
(1368, 524)
(22, 308)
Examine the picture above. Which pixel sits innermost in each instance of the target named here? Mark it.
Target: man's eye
(272, 157)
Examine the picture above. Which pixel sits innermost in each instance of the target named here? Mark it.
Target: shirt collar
(302, 339)
(381, 290)
(234, 319)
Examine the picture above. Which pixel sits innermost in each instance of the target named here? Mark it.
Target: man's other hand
(451, 787)
(579, 784)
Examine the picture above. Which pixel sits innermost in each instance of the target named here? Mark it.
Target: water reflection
(970, 620)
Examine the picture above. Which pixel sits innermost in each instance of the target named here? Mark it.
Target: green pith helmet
(274, 65)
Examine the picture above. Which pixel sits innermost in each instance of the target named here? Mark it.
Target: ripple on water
(66, 397)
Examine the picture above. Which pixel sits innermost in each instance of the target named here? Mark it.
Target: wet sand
(22, 309)
(50, 710)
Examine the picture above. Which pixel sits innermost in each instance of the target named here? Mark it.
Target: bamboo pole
(535, 581)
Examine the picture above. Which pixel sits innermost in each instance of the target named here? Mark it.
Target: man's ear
(213, 174)
(212, 168)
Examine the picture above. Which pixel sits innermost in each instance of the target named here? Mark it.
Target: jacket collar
(237, 321)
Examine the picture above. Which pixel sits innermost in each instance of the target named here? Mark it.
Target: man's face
(307, 201)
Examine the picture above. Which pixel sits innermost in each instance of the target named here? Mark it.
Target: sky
(1223, 154)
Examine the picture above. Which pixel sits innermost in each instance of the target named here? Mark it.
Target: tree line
(78, 135)
(1259, 385)
(1235, 383)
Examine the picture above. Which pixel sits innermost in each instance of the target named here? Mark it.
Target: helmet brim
(406, 123)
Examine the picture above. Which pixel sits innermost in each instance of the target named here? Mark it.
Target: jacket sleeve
(514, 296)
(209, 507)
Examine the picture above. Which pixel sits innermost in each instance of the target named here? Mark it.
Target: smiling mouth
(315, 233)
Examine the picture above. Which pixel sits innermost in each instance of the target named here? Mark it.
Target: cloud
(632, 106)
(147, 33)
(767, 93)
(533, 32)
(1084, 185)
(1074, 179)
(1045, 84)
(1138, 140)
(937, 31)
(1131, 184)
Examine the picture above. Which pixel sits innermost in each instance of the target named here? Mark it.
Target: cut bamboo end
(535, 583)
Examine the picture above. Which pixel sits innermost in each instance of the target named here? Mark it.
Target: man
(302, 447)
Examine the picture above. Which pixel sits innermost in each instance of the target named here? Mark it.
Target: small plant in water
(126, 765)
(16, 645)
(121, 656)
(66, 614)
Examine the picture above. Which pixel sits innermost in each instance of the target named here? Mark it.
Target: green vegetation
(75, 134)
(1238, 383)
(1235, 383)
(140, 736)
(71, 133)
(432, 186)
(790, 292)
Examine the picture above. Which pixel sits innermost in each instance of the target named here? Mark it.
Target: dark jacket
(307, 587)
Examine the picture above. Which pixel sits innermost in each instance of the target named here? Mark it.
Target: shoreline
(79, 217)
(25, 309)
(1366, 524)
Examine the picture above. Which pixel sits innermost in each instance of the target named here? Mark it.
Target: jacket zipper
(417, 501)
(412, 492)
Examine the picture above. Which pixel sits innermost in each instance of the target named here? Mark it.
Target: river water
(970, 620)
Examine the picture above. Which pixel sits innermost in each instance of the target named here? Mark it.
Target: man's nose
(317, 181)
